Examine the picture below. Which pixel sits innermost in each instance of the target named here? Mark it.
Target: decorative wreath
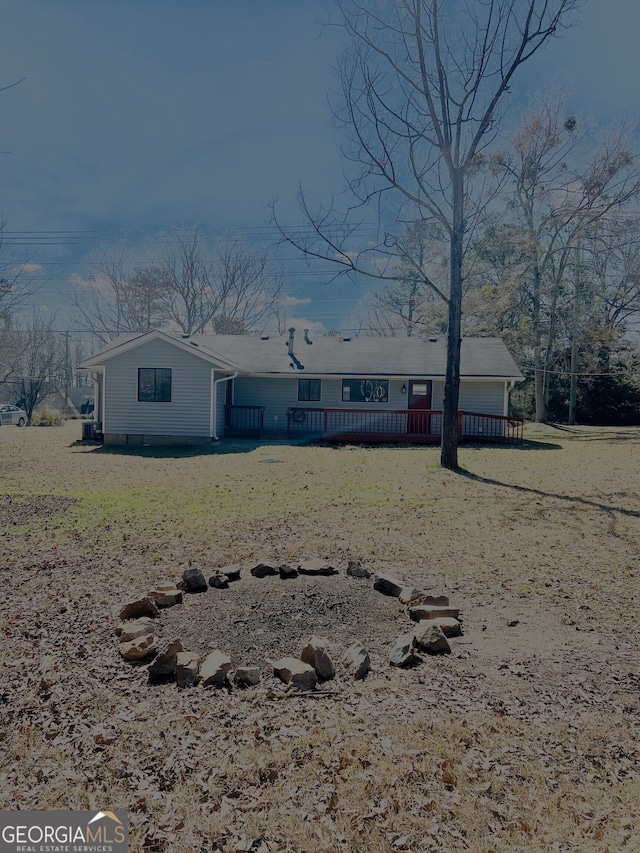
(298, 416)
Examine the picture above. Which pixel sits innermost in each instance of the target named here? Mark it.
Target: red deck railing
(413, 426)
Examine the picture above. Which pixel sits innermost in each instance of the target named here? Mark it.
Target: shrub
(47, 417)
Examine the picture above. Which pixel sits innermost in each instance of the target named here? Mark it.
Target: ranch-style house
(164, 388)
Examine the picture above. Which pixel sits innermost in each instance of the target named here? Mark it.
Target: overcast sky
(135, 115)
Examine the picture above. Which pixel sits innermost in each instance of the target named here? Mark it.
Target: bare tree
(116, 299)
(557, 189)
(250, 285)
(192, 299)
(422, 89)
(32, 362)
(612, 255)
(406, 305)
(16, 283)
(226, 288)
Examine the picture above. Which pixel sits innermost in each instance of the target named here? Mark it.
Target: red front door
(419, 400)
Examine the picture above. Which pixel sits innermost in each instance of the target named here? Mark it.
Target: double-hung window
(154, 384)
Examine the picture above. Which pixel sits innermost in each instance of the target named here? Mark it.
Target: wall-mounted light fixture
(404, 388)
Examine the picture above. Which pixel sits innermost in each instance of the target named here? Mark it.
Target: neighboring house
(76, 402)
(161, 388)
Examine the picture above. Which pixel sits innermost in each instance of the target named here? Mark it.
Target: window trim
(158, 383)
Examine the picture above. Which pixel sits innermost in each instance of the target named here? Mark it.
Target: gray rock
(142, 607)
(247, 676)
(402, 654)
(316, 655)
(450, 627)
(316, 567)
(135, 628)
(263, 570)
(139, 648)
(355, 569)
(429, 611)
(433, 600)
(430, 638)
(357, 660)
(287, 572)
(388, 585)
(194, 580)
(214, 669)
(410, 595)
(295, 672)
(166, 595)
(163, 667)
(219, 580)
(186, 669)
(232, 572)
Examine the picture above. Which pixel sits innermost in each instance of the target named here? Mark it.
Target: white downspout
(508, 388)
(214, 398)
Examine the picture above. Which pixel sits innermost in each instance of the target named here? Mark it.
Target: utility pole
(67, 373)
(573, 386)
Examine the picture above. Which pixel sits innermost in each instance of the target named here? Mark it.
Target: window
(154, 384)
(308, 390)
(365, 390)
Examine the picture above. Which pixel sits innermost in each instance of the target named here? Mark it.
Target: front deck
(409, 426)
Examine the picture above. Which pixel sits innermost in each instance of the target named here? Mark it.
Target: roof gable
(126, 343)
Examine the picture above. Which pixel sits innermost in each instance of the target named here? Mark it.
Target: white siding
(279, 394)
(482, 396)
(187, 414)
(437, 395)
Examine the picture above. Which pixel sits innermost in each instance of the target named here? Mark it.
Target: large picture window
(154, 384)
(309, 390)
(365, 390)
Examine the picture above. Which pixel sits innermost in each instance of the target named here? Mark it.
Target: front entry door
(419, 404)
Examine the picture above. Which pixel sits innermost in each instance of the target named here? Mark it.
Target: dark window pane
(146, 384)
(163, 384)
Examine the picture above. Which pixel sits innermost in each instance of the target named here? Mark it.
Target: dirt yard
(524, 738)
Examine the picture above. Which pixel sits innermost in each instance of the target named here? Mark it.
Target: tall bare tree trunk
(449, 446)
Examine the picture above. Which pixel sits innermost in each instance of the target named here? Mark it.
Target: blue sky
(135, 115)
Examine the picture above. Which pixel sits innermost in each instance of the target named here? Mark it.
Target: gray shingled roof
(326, 356)
(358, 356)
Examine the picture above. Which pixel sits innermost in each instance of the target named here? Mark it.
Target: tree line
(555, 270)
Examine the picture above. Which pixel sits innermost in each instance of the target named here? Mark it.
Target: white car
(12, 415)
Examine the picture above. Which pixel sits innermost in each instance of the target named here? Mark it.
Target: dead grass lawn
(525, 738)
